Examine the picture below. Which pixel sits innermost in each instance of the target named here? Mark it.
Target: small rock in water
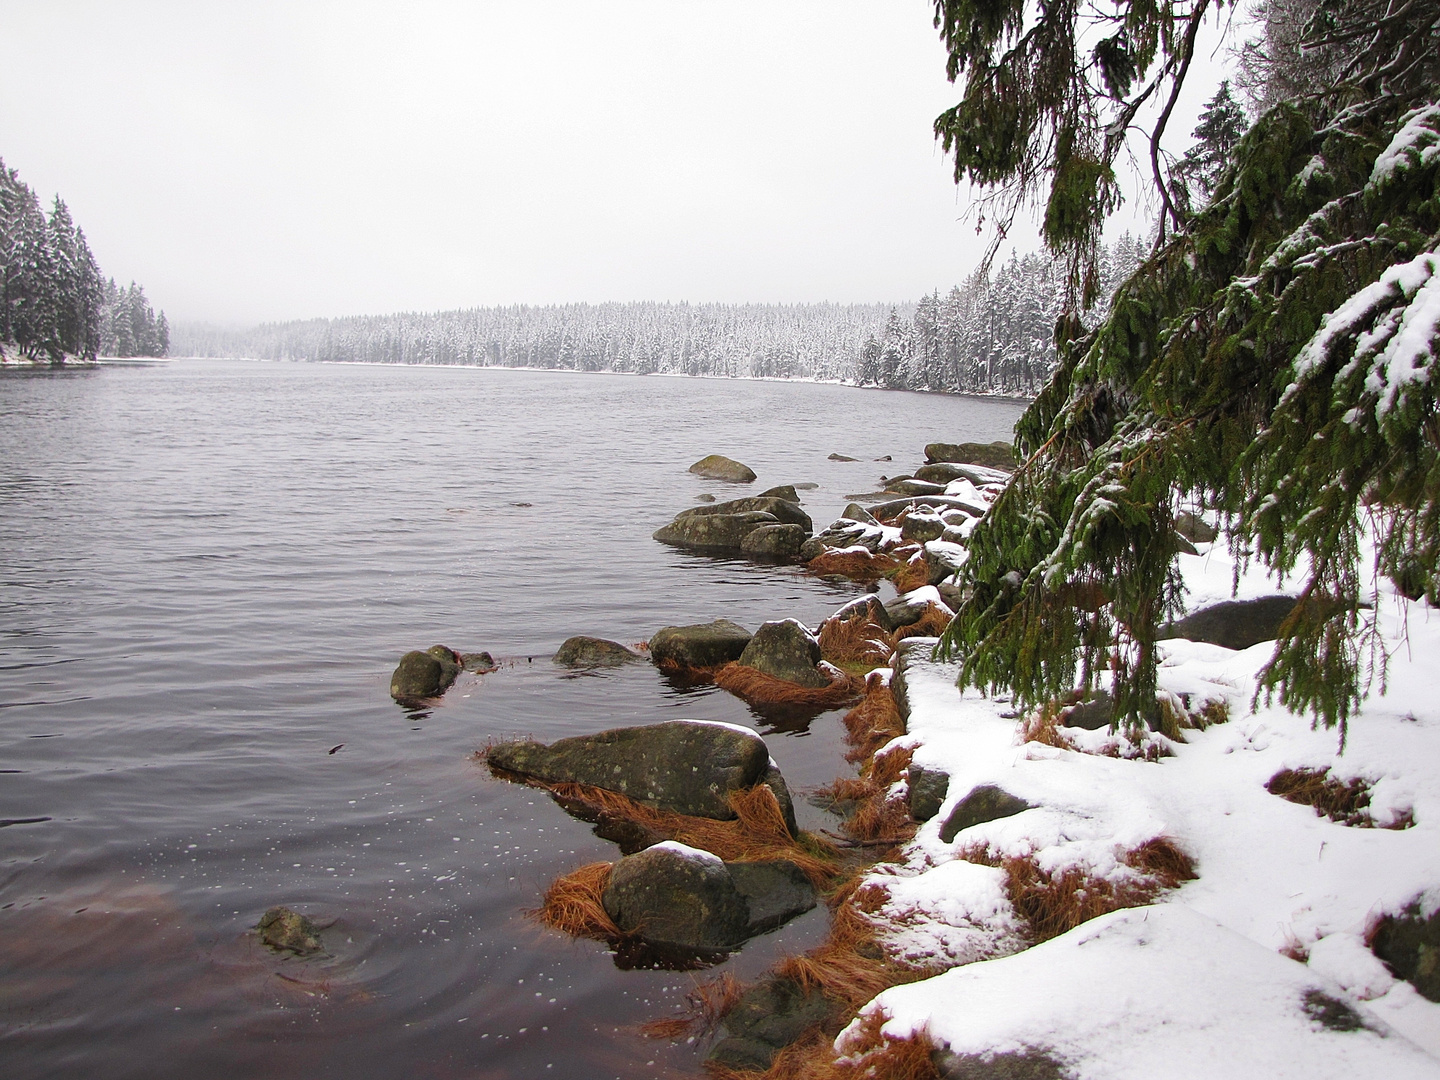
(719, 467)
(479, 662)
(283, 929)
(842, 457)
(707, 497)
(805, 487)
(424, 674)
(887, 457)
(590, 652)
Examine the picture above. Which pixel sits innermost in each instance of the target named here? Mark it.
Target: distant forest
(991, 335)
(54, 304)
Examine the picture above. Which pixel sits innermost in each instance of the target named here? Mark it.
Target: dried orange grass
(856, 639)
(911, 575)
(1055, 903)
(1345, 801)
(758, 831)
(873, 722)
(762, 689)
(856, 563)
(705, 1006)
(572, 904)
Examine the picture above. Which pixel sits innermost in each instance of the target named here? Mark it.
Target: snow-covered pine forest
(992, 335)
(53, 302)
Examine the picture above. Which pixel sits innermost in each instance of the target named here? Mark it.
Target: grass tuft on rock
(759, 688)
(572, 904)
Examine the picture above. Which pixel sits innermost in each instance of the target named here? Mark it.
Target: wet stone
(287, 930)
(769, 1017)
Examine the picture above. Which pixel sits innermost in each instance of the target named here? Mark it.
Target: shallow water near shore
(210, 569)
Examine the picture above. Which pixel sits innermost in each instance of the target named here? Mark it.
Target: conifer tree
(1221, 124)
(1275, 360)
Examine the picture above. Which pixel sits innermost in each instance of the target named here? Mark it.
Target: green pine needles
(1273, 361)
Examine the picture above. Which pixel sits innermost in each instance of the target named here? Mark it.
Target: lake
(210, 569)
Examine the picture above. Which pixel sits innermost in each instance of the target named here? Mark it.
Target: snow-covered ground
(1231, 974)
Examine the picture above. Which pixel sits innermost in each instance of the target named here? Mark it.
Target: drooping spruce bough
(1274, 359)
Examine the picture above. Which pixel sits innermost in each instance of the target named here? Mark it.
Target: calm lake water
(210, 569)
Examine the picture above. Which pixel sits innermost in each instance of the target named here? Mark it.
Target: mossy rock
(592, 652)
(426, 674)
(716, 531)
(287, 930)
(785, 511)
(720, 467)
(996, 455)
(786, 650)
(779, 542)
(701, 645)
(675, 895)
(687, 766)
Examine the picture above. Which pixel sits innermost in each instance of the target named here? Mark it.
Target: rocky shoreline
(932, 868)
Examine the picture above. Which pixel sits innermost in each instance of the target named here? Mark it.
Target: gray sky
(272, 161)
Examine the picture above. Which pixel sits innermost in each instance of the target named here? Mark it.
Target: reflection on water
(212, 568)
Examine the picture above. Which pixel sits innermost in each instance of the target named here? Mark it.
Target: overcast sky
(273, 161)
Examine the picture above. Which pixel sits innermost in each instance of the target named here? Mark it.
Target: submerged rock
(996, 455)
(478, 662)
(984, 803)
(767, 1018)
(590, 652)
(703, 645)
(1233, 624)
(842, 457)
(283, 929)
(687, 766)
(719, 467)
(671, 894)
(424, 674)
(786, 650)
(773, 542)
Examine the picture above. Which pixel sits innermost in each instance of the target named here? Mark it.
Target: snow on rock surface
(1160, 991)
(1211, 979)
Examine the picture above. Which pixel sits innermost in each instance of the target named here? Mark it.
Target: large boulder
(773, 542)
(590, 652)
(720, 531)
(783, 510)
(984, 803)
(702, 645)
(786, 650)
(675, 895)
(768, 1017)
(719, 467)
(1409, 943)
(424, 674)
(688, 766)
(1234, 624)
(996, 455)
(855, 512)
